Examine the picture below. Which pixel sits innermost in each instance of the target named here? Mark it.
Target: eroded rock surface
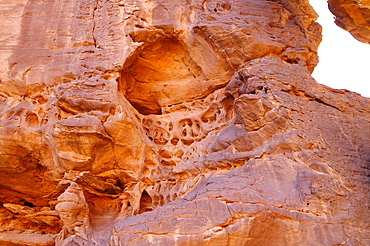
(175, 123)
(353, 16)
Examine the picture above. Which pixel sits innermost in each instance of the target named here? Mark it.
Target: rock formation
(175, 123)
(353, 16)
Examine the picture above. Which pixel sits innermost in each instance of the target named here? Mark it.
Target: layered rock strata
(175, 123)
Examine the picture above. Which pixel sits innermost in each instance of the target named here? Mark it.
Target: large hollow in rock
(158, 75)
(168, 70)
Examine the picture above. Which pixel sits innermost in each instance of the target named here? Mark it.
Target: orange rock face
(353, 16)
(175, 123)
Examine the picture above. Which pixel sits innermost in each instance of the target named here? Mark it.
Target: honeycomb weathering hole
(159, 74)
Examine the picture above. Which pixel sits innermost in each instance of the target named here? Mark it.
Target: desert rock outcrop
(353, 16)
(175, 123)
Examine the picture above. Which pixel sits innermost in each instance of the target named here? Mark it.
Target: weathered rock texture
(175, 123)
(353, 16)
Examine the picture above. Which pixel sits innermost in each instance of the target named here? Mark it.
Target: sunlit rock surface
(175, 123)
(353, 16)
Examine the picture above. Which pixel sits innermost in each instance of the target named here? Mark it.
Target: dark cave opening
(146, 203)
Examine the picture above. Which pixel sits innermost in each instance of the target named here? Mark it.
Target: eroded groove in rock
(171, 123)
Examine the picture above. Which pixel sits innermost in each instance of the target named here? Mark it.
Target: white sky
(344, 61)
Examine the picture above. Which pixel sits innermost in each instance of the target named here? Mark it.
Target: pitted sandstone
(175, 123)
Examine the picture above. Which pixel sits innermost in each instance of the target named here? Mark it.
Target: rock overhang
(169, 68)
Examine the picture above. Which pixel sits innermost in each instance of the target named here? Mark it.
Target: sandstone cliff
(175, 123)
